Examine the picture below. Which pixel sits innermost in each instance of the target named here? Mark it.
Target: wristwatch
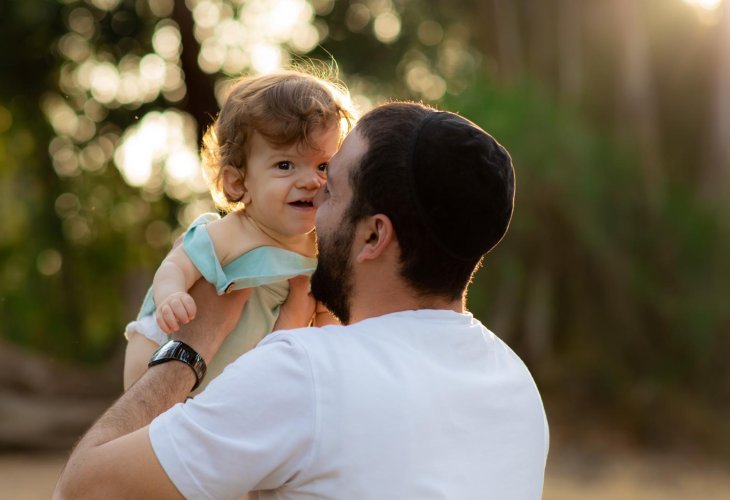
(180, 351)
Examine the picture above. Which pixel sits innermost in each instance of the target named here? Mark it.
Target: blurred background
(612, 284)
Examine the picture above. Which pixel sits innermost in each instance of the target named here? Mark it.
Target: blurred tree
(715, 180)
(611, 279)
(101, 105)
(569, 52)
(637, 95)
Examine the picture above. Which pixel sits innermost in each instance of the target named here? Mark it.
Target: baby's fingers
(189, 305)
(161, 321)
(168, 319)
(180, 311)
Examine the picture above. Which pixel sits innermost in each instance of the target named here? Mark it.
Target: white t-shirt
(424, 404)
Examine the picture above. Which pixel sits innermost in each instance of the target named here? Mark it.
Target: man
(413, 399)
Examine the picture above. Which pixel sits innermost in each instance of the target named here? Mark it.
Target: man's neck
(379, 289)
(397, 299)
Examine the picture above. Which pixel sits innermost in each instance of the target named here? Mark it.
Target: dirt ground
(571, 475)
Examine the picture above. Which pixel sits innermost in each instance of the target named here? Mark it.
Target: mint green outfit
(266, 269)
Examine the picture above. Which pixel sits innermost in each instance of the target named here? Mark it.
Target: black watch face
(179, 351)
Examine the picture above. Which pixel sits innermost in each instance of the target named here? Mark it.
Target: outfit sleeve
(253, 427)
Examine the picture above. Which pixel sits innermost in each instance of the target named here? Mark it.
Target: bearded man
(412, 398)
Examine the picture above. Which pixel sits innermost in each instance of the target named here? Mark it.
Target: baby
(265, 158)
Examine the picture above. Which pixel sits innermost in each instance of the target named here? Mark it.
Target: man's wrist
(176, 350)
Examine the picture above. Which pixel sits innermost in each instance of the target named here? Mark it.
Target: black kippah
(462, 185)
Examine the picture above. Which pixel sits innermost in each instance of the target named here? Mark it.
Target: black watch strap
(180, 351)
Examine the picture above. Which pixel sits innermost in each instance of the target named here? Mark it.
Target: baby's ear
(233, 184)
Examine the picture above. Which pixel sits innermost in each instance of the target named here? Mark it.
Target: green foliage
(72, 264)
(72, 267)
(612, 300)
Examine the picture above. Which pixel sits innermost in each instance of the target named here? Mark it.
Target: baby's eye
(284, 165)
(323, 167)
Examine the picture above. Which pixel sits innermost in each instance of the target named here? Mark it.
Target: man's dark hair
(446, 185)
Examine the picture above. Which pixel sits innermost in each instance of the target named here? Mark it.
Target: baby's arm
(170, 286)
(138, 353)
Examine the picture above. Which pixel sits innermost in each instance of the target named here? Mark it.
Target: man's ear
(234, 185)
(374, 236)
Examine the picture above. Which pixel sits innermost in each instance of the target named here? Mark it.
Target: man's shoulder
(333, 333)
(308, 336)
(402, 324)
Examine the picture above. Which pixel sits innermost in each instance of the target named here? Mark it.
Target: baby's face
(281, 182)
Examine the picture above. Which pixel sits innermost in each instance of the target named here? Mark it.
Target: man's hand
(216, 316)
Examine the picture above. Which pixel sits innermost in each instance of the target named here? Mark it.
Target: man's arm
(115, 458)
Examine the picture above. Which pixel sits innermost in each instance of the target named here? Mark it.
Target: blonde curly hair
(286, 108)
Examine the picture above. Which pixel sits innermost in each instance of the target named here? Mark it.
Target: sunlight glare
(251, 36)
(140, 148)
(284, 16)
(134, 161)
(162, 145)
(182, 165)
(265, 58)
(705, 4)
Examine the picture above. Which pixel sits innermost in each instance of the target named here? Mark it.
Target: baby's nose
(311, 181)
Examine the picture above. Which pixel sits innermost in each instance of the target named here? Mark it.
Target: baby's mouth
(302, 203)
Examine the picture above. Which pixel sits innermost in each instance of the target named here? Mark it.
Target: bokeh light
(159, 153)
(357, 17)
(430, 33)
(161, 147)
(254, 35)
(387, 27)
(49, 262)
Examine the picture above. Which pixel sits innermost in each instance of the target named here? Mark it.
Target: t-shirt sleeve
(252, 428)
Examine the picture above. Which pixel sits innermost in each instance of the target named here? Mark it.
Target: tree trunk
(200, 101)
(715, 179)
(509, 46)
(638, 106)
(569, 53)
(538, 40)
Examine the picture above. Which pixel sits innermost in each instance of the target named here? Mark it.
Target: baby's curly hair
(286, 108)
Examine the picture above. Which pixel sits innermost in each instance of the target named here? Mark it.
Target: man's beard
(332, 280)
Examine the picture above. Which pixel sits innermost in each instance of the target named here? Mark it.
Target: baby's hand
(298, 309)
(178, 308)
